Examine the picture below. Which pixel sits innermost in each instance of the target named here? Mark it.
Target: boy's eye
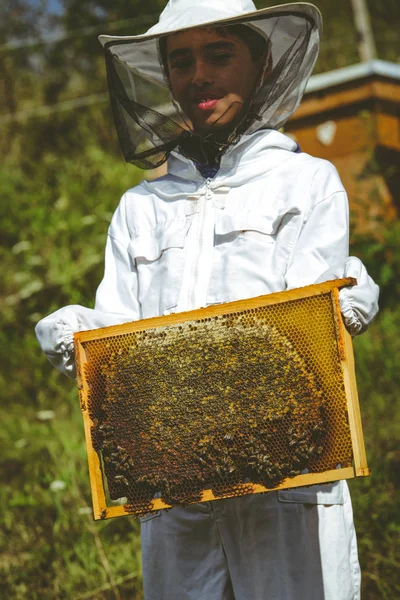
(216, 58)
(220, 58)
(183, 63)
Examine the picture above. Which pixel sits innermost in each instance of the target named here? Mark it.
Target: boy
(242, 212)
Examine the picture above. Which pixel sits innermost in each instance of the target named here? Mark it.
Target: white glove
(358, 303)
(55, 333)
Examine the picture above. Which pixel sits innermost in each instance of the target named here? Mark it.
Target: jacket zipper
(204, 201)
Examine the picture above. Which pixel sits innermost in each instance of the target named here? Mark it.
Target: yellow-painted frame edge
(353, 407)
(100, 508)
(215, 310)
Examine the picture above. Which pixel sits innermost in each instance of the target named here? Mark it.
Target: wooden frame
(102, 510)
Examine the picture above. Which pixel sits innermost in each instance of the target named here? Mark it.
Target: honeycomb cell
(218, 403)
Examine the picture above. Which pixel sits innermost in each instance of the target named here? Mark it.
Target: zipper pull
(208, 193)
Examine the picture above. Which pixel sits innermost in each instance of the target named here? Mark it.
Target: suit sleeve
(323, 238)
(322, 248)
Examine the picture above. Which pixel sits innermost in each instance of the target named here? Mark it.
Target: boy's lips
(206, 102)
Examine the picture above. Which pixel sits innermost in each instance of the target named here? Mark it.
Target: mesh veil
(150, 125)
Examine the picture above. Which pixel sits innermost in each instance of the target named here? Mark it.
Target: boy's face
(211, 75)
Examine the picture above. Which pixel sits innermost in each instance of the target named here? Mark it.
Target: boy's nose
(201, 74)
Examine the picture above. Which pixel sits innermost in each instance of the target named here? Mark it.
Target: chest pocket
(251, 252)
(248, 226)
(158, 255)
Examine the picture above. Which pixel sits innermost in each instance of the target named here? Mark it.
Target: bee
(121, 479)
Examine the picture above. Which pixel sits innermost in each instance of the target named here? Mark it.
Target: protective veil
(150, 124)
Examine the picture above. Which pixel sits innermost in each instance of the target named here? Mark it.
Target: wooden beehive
(238, 398)
(359, 108)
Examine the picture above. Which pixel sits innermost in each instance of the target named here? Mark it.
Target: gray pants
(257, 547)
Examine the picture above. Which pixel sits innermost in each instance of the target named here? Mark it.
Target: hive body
(224, 401)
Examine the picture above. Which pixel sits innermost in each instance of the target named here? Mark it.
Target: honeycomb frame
(96, 362)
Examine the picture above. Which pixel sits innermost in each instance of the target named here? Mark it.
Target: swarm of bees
(219, 403)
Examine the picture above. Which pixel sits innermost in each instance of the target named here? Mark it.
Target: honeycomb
(218, 403)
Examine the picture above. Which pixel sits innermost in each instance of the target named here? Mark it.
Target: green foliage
(383, 259)
(340, 38)
(55, 215)
(376, 238)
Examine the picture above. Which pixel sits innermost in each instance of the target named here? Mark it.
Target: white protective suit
(270, 220)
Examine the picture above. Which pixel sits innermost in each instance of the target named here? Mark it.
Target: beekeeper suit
(242, 212)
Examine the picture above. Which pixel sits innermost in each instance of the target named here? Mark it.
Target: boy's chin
(218, 124)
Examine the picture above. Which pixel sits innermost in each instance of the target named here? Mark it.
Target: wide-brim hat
(180, 15)
(134, 63)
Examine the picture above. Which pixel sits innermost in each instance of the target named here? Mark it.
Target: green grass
(376, 499)
(51, 548)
